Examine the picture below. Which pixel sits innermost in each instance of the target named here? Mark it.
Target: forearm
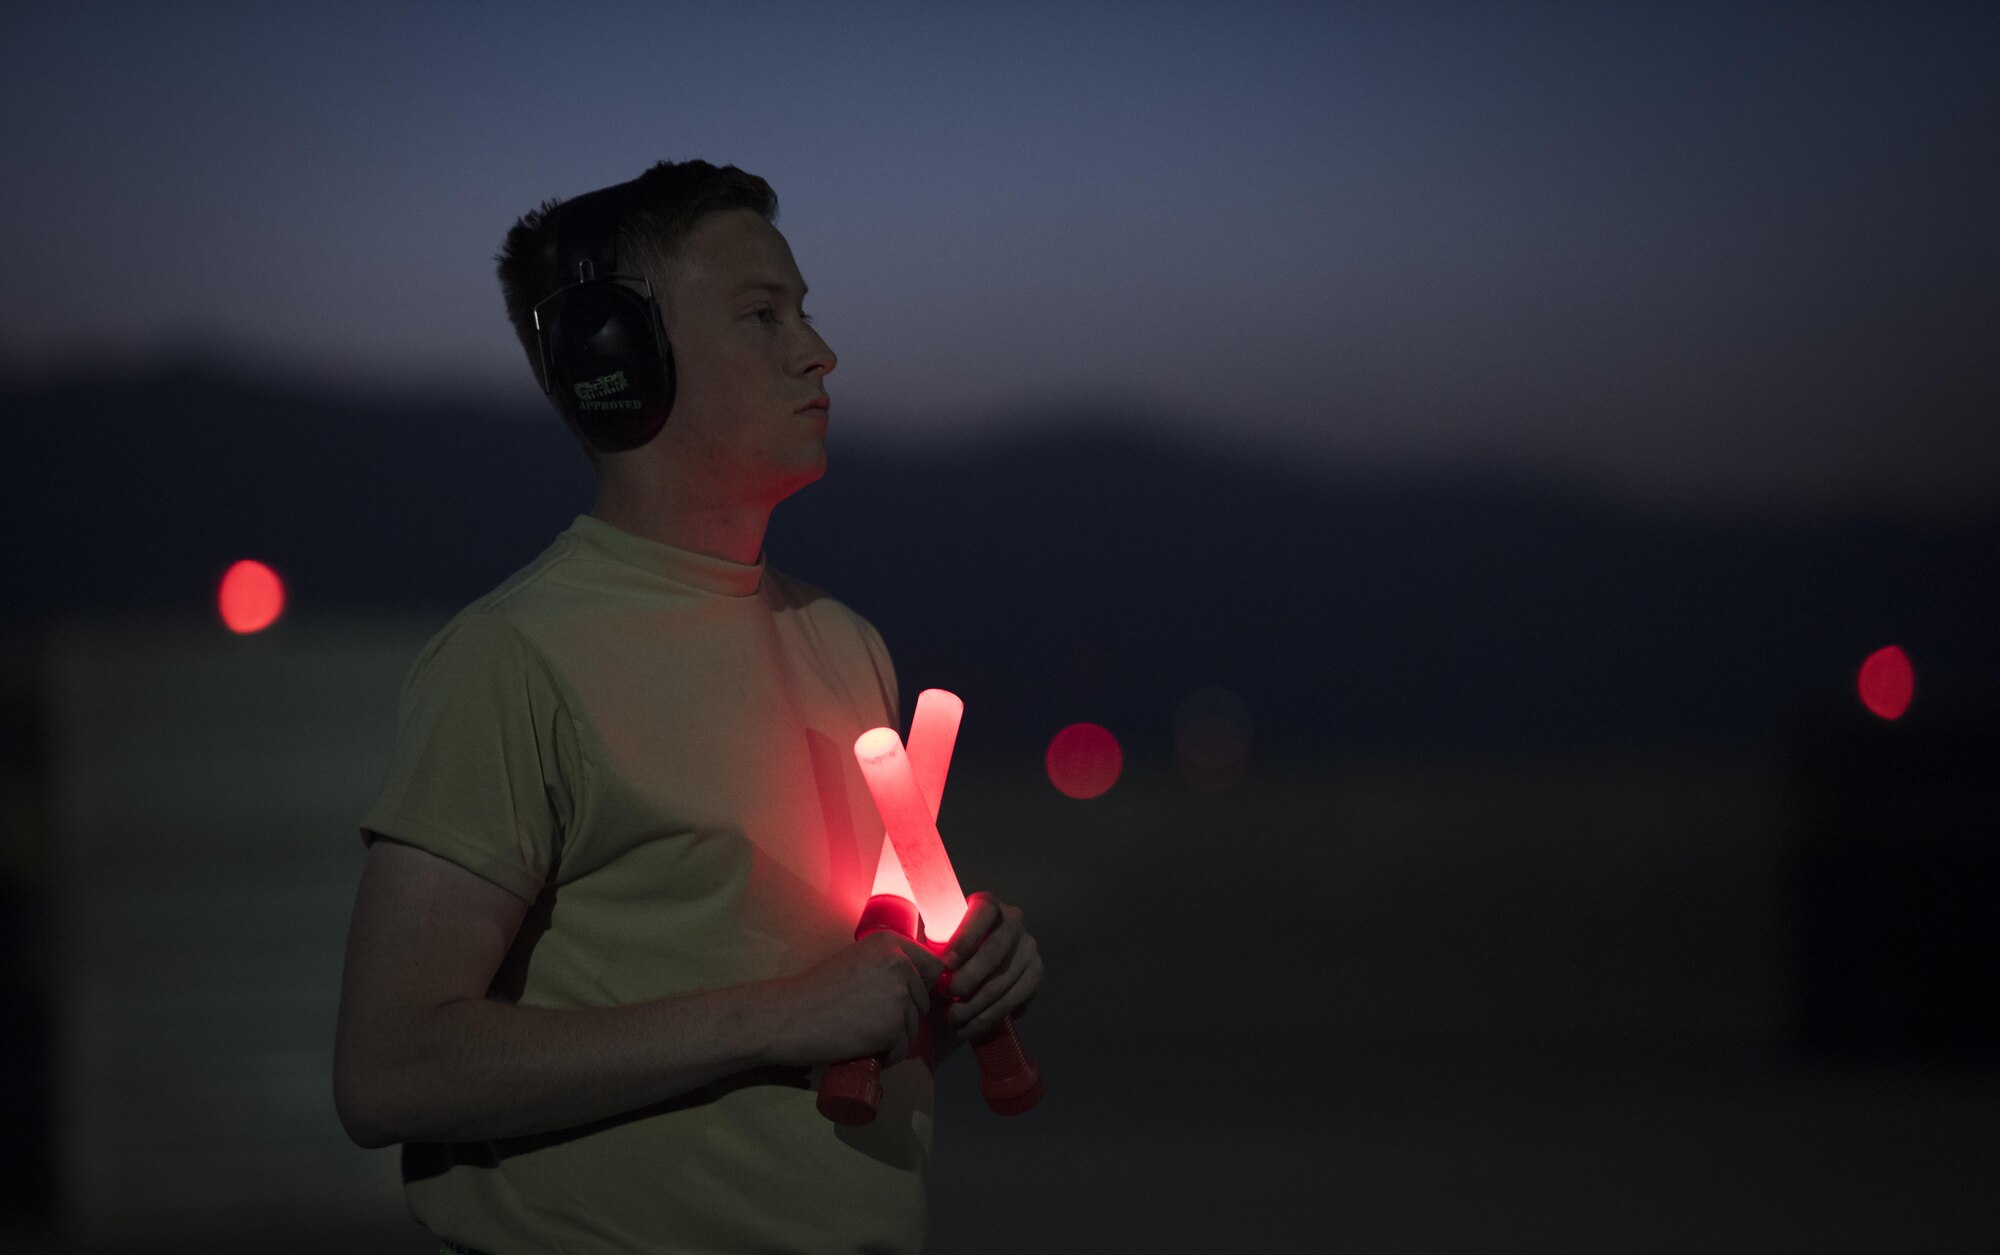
(479, 1069)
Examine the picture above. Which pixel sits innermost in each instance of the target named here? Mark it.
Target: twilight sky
(1697, 255)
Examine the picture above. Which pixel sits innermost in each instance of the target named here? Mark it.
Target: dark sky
(1728, 255)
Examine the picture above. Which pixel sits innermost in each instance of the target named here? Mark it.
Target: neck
(679, 514)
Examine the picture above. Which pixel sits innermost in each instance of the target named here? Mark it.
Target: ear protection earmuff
(603, 346)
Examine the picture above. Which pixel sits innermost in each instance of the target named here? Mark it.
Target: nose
(818, 357)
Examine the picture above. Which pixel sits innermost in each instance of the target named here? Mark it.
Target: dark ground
(1320, 1151)
(1537, 1004)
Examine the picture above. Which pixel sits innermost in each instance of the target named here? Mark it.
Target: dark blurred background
(1464, 455)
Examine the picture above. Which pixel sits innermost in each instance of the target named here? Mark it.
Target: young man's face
(750, 367)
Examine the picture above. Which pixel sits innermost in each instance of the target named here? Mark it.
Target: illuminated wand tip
(877, 745)
(942, 700)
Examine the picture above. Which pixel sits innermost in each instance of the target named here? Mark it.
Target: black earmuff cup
(608, 365)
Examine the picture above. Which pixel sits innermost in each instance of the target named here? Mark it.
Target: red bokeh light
(1084, 760)
(251, 597)
(1887, 682)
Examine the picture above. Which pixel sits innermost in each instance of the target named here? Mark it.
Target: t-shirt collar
(683, 566)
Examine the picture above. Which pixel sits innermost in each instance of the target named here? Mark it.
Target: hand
(994, 964)
(864, 1000)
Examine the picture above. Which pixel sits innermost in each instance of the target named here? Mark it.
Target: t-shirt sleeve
(485, 762)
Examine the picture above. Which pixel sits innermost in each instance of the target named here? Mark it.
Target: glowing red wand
(1009, 1080)
(851, 1092)
(906, 787)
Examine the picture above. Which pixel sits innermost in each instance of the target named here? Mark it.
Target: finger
(993, 956)
(1013, 1002)
(1001, 989)
(995, 951)
(981, 914)
(917, 985)
(929, 967)
(965, 1011)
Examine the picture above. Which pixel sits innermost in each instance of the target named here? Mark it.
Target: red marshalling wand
(906, 787)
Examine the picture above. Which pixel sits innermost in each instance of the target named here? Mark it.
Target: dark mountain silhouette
(1072, 572)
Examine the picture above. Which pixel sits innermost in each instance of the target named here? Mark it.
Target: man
(603, 943)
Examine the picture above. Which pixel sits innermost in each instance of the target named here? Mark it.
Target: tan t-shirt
(653, 748)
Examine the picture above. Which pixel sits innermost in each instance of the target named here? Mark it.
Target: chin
(804, 470)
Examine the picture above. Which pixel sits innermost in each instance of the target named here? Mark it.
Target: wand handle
(1009, 1080)
(850, 1092)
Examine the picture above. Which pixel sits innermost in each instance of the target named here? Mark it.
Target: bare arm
(421, 1054)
